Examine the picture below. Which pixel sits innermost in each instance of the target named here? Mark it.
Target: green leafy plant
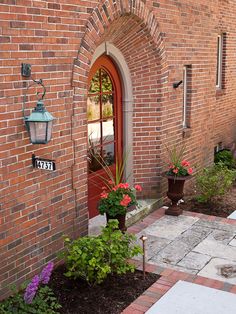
(34, 298)
(213, 182)
(93, 258)
(177, 165)
(120, 248)
(226, 158)
(86, 258)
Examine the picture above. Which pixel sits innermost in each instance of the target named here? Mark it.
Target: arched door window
(104, 114)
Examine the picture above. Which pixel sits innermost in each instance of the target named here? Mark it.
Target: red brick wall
(58, 39)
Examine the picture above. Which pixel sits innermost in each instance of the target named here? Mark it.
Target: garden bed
(112, 296)
(221, 207)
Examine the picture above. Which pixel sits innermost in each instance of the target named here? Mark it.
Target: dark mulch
(222, 207)
(111, 297)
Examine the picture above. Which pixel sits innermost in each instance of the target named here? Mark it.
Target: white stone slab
(170, 227)
(212, 270)
(222, 236)
(194, 261)
(233, 242)
(189, 298)
(232, 215)
(216, 249)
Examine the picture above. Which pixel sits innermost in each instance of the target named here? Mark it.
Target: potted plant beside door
(179, 171)
(117, 197)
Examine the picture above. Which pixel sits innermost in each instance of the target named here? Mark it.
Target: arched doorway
(105, 126)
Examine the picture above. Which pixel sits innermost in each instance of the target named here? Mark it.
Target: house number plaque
(44, 164)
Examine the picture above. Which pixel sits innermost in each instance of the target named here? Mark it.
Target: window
(219, 69)
(186, 95)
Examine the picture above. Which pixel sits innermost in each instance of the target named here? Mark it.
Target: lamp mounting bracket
(26, 69)
(176, 85)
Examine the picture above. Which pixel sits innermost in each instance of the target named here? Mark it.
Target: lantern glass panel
(49, 130)
(38, 132)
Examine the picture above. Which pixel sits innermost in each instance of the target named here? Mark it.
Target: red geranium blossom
(185, 163)
(104, 195)
(190, 170)
(176, 170)
(125, 201)
(138, 187)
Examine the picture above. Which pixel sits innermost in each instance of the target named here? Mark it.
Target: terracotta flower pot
(175, 193)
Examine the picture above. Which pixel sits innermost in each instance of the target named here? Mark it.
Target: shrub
(38, 298)
(93, 258)
(214, 182)
(226, 158)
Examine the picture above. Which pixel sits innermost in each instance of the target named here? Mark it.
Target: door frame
(107, 48)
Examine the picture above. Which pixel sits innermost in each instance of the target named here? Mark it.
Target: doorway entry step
(143, 209)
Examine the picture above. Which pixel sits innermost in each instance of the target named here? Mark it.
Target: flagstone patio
(193, 247)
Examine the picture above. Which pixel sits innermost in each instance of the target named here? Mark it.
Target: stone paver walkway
(192, 247)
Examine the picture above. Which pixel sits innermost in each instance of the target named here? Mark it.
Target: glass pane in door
(93, 108)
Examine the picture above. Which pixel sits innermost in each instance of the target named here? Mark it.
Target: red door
(104, 112)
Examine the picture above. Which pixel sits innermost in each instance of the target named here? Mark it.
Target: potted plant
(179, 171)
(116, 199)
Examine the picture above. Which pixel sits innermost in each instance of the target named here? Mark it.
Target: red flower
(176, 170)
(190, 171)
(110, 182)
(123, 185)
(171, 166)
(185, 163)
(138, 187)
(125, 201)
(104, 195)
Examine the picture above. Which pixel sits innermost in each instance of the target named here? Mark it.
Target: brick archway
(99, 22)
(134, 30)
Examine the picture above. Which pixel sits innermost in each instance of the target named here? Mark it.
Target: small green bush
(213, 182)
(93, 258)
(226, 158)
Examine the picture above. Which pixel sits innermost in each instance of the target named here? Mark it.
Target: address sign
(44, 164)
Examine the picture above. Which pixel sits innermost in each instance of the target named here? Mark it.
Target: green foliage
(213, 182)
(226, 158)
(44, 302)
(177, 165)
(85, 258)
(93, 258)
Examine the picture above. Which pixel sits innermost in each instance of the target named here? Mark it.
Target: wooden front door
(104, 112)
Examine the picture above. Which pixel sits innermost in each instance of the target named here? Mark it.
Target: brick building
(148, 46)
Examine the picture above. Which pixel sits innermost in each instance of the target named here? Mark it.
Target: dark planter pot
(120, 218)
(175, 193)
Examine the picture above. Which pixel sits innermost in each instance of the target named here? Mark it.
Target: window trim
(185, 95)
(219, 69)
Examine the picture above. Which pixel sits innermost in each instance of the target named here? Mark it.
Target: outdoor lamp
(39, 122)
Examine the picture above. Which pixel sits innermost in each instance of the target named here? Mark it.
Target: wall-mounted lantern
(39, 122)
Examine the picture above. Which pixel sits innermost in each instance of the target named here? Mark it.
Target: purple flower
(46, 273)
(31, 289)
